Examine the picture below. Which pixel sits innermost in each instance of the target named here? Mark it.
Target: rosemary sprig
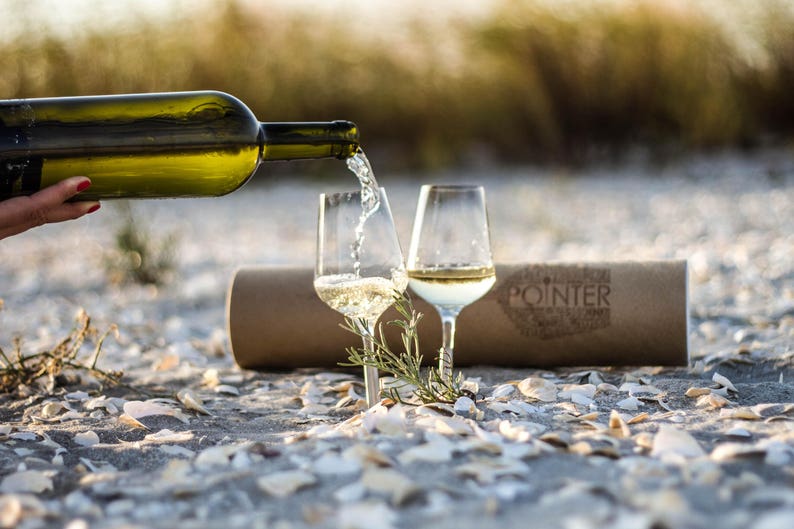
(406, 366)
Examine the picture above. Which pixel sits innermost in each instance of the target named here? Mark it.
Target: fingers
(60, 192)
(48, 205)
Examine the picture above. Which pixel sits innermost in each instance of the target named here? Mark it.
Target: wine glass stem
(371, 383)
(448, 317)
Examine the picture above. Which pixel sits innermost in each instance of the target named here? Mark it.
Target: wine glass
(359, 263)
(449, 261)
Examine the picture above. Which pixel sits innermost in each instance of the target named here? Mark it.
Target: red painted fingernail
(82, 186)
(93, 208)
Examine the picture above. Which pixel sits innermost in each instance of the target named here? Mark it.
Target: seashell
(211, 378)
(606, 388)
(609, 451)
(345, 386)
(439, 450)
(659, 399)
(503, 390)
(11, 511)
(23, 436)
(517, 433)
(168, 436)
(367, 455)
(177, 451)
(581, 448)
(583, 400)
(89, 438)
(728, 451)
(217, 455)
(770, 410)
(569, 390)
(697, 392)
(471, 385)
(346, 401)
(722, 392)
(740, 413)
(52, 409)
(739, 432)
(630, 403)
(434, 409)
(391, 482)
(486, 471)
(670, 442)
(192, 401)
(285, 483)
(644, 440)
(486, 446)
(617, 426)
(465, 407)
(129, 421)
(633, 389)
(446, 425)
(333, 464)
(594, 425)
(351, 492)
(166, 363)
(506, 407)
(558, 439)
(712, 400)
(34, 481)
(588, 377)
(538, 389)
(109, 405)
(226, 389)
(98, 467)
(510, 490)
(592, 416)
(638, 418)
(139, 409)
(365, 515)
(724, 382)
(384, 420)
(662, 502)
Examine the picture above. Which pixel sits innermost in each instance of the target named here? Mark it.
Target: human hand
(19, 214)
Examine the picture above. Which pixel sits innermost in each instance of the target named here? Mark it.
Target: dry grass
(24, 374)
(529, 81)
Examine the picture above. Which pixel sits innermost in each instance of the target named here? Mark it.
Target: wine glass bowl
(449, 261)
(359, 266)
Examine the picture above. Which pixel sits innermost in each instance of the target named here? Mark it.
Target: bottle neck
(295, 141)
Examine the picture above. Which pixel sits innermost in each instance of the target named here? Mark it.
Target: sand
(613, 447)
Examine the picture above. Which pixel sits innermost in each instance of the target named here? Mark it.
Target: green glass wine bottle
(181, 144)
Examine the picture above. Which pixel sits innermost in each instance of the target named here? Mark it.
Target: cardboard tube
(536, 315)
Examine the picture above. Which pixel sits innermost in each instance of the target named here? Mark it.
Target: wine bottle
(180, 144)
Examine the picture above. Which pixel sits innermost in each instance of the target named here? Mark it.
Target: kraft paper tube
(536, 315)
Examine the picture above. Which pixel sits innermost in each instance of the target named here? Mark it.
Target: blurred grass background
(435, 85)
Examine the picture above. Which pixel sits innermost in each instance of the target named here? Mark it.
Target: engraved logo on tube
(553, 301)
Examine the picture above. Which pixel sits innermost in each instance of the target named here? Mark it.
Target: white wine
(452, 286)
(176, 144)
(359, 297)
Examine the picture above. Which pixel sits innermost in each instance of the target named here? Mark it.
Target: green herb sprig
(426, 384)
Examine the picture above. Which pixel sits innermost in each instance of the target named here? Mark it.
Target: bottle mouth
(338, 139)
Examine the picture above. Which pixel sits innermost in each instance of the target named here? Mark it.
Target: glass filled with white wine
(360, 267)
(449, 261)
